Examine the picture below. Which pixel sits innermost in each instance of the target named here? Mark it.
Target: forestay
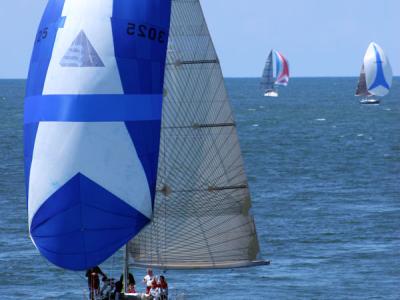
(201, 211)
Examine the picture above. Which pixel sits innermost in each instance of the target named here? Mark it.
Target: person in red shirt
(131, 288)
(163, 286)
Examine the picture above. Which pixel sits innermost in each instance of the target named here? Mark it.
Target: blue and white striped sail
(92, 126)
(378, 72)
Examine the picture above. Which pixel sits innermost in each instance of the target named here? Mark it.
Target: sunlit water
(324, 174)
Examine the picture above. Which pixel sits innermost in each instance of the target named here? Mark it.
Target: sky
(319, 37)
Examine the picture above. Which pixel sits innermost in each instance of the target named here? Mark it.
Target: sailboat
(130, 140)
(276, 64)
(375, 77)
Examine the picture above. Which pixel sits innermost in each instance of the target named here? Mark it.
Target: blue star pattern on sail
(380, 76)
(81, 54)
(92, 126)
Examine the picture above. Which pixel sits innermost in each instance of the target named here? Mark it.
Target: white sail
(378, 71)
(202, 213)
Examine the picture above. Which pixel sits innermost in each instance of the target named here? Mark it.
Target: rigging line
(171, 222)
(233, 134)
(210, 217)
(191, 135)
(229, 138)
(197, 49)
(187, 166)
(216, 227)
(210, 189)
(221, 195)
(199, 256)
(208, 192)
(196, 240)
(238, 162)
(211, 211)
(198, 248)
(229, 196)
(190, 76)
(224, 253)
(194, 91)
(209, 80)
(219, 81)
(207, 213)
(221, 161)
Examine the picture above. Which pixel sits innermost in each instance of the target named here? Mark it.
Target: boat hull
(271, 94)
(370, 101)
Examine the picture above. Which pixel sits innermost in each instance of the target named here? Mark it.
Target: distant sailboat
(268, 81)
(375, 76)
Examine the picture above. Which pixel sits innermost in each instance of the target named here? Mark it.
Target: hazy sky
(319, 37)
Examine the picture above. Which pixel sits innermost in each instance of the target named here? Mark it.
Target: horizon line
(248, 77)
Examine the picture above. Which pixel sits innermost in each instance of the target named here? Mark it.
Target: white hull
(271, 94)
(370, 101)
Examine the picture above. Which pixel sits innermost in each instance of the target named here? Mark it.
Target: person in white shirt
(148, 280)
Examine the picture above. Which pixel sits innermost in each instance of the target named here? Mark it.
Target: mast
(126, 268)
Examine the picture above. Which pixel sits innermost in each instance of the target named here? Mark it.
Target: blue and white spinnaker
(92, 126)
(378, 72)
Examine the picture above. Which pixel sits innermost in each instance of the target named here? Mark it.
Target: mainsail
(92, 126)
(267, 80)
(362, 89)
(202, 213)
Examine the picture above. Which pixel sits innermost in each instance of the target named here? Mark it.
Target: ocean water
(324, 173)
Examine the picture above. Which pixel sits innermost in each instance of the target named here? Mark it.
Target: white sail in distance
(202, 215)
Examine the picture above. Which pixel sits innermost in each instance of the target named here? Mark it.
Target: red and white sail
(282, 69)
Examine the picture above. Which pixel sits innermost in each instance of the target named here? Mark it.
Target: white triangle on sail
(83, 59)
(81, 54)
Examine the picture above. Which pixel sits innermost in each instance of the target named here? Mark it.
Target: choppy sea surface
(324, 173)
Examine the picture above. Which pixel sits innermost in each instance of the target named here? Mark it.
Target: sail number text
(42, 34)
(144, 31)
